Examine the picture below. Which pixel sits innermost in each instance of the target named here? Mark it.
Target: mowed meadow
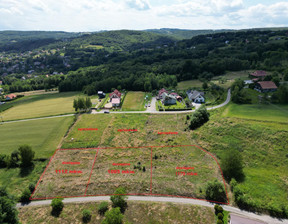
(44, 136)
(134, 101)
(40, 106)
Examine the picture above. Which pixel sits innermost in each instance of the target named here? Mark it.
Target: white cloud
(93, 15)
(139, 4)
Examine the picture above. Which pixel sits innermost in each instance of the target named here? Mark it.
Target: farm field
(134, 101)
(145, 170)
(40, 106)
(263, 112)
(189, 84)
(44, 137)
(137, 212)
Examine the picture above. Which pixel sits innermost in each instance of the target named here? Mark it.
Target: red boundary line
(91, 172)
(151, 173)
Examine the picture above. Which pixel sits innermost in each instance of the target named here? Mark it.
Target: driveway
(152, 108)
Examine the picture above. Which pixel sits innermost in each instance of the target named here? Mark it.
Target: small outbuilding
(101, 94)
(266, 86)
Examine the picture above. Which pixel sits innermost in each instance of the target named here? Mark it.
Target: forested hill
(29, 40)
(183, 33)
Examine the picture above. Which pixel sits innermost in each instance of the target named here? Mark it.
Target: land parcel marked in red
(175, 171)
(115, 167)
(66, 175)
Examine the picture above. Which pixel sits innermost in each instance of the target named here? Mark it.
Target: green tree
(57, 206)
(86, 215)
(232, 165)
(25, 197)
(8, 211)
(26, 155)
(75, 104)
(88, 103)
(81, 103)
(205, 85)
(103, 207)
(119, 199)
(114, 216)
(215, 191)
(199, 117)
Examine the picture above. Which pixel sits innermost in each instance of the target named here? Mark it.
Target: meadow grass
(136, 212)
(134, 101)
(262, 112)
(42, 135)
(40, 106)
(189, 84)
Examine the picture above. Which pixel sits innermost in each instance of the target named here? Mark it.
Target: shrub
(119, 199)
(219, 221)
(86, 215)
(57, 206)
(215, 191)
(27, 155)
(113, 216)
(103, 207)
(218, 209)
(220, 216)
(3, 161)
(25, 197)
(232, 165)
(233, 184)
(199, 117)
(31, 187)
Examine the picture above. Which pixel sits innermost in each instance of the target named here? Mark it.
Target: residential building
(101, 94)
(168, 99)
(115, 98)
(161, 93)
(196, 96)
(266, 86)
(10, 96)
(258, 75)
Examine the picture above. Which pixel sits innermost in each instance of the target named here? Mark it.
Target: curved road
(263, 218)
(149, 110)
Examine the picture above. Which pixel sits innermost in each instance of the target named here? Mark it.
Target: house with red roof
(115, 98)
(10, 96)
(266, 86)
(161, 94)
(258, 75)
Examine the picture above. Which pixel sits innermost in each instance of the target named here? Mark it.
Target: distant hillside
(29, 40)
(121, 40)
(184, 34)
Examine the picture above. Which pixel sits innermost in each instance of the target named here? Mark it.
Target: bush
(215, 191)
(218, 209)
(25, 197)
(119, 199)
(103, 207)
(220, 216)
(3, 161)
(57, 206)
(199, 117)
(233, 184)
(86, 215)
(232, 165)
(27, 155)
(31, 187)
(219, 221)
(113, 216)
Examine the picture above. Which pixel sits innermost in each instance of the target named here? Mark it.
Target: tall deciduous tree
(119, 199)
(27, 155)
(232, 165)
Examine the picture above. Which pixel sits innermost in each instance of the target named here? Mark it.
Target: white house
(195, 96)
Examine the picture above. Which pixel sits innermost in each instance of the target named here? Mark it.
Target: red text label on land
(184, 168)
(87, 129)
(121, 164)
(71, 163)
(167, 133)
(68, 171)
(186, 174)
(119, 171)
(127, 130)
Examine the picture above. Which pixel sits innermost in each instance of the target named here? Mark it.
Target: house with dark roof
(115, 98)
(196, 96)
(258, 75)
(266, 86)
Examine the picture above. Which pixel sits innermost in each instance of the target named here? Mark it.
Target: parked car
(106, 112)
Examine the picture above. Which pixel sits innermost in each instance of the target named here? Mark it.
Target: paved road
(263, 218)
(151, 110)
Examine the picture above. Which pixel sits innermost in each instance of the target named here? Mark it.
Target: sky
(96, 15)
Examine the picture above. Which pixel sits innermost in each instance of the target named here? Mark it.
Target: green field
(43, 135)
(134, 101)
(137, 212)
(189, 84)
(263, 112)
(40, 106)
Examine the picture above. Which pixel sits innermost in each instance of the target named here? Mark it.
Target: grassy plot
(134, 101)
(264, 112)
(60, 179)
(189, 84)
(263, 146)
(43, 135)
(137, 212)
(40, 106)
